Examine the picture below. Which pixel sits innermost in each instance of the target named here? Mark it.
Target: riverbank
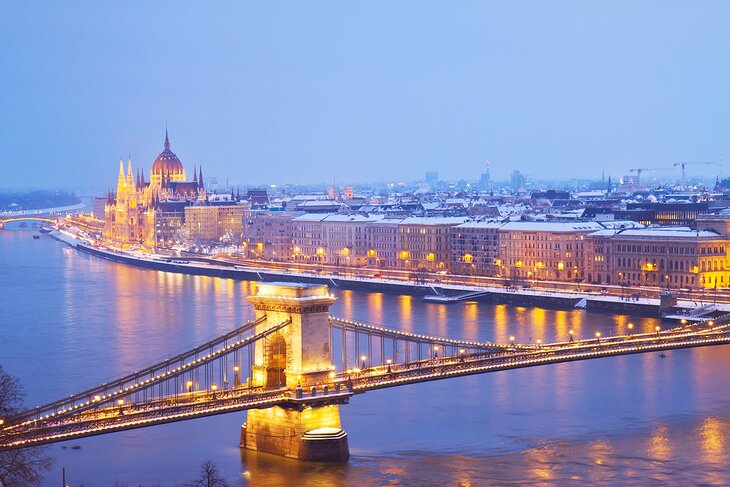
(435, 293)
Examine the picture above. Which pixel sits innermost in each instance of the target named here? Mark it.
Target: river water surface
(69, 321)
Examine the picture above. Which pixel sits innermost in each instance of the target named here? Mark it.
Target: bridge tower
(296, 357)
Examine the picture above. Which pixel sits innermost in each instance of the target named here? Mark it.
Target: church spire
(121, 168)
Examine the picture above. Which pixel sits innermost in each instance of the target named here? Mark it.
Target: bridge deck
(110, 413)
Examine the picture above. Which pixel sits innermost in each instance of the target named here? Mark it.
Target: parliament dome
(167, 162)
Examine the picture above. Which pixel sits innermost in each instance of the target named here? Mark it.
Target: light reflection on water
(71, 321)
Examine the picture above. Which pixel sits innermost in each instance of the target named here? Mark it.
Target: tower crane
(639, 170)
(685, 163)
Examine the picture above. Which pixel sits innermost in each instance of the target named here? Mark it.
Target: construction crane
(639, 170)
(685, 163)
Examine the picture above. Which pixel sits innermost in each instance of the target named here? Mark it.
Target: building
(681, 214)
(268, 234)
(98, 205)
(544, 250)
(151, 213)
(382, 243)
(670, 256)
(332, 239)
(475, 248)
(424, 244)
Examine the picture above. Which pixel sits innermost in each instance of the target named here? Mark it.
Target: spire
(121, 168)
(195, 174)
(200, 176)
(167, 140)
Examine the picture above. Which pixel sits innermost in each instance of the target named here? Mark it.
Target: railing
(146, 397)
(145, 379)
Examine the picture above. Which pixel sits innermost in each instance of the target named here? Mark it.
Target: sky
(307, 92)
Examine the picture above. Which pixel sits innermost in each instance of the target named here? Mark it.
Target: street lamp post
(570, 332)
(598, 337)
(631, 328)
(214, 388)
(389, 362)
(189, 385)
(363, 358)
(657, 329)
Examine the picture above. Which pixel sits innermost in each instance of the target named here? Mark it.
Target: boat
(36, 237)
(662, 355)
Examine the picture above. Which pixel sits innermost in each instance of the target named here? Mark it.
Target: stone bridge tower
(296, 357)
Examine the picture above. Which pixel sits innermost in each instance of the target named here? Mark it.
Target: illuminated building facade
(672, 257)
(382, 243)
(544, 250)
(425, 244)
(475, 248)
(267, 235)
(150, 214)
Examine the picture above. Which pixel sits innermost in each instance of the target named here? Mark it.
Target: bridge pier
(296, 357)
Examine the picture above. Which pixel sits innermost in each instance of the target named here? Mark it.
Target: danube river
(69, 321)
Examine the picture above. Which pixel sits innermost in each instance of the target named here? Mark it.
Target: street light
(512, 340)
(214, 388)
(189, 385)
(631, 328)
(539, 343)
(657, 329)
(236, 378)
(363, 358)
(571, 334)
(461, 354)
(436, 351)
(390, 371)
(598, 337)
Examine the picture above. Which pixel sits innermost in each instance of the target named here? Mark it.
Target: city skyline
(260, 91)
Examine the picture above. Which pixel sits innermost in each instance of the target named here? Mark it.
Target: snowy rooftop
(552, 226)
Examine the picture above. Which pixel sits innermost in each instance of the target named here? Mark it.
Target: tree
(23, 466)
(209, 477)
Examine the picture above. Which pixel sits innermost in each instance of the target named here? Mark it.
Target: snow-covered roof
(311, 217)
(522, 226)
(484, 224)
(450, 220)
(669, 232)
(352, 218)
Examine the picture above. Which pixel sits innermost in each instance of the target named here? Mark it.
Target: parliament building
(148, 214)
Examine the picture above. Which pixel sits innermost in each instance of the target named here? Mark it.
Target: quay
(441, 293)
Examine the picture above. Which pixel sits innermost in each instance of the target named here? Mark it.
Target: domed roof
(167, 162)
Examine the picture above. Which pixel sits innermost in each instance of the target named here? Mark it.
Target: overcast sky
(306, 92)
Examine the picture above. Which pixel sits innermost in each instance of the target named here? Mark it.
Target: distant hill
(33, 200)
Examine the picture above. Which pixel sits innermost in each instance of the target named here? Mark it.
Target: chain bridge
(295, 365)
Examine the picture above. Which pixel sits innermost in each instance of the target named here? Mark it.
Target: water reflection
(664, 419)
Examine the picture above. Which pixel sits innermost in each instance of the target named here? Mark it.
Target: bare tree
(23, 466)
(209, 477)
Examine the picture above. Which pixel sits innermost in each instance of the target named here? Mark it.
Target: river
(70, 320)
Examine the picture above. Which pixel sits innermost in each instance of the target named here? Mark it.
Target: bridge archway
(277, 351)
